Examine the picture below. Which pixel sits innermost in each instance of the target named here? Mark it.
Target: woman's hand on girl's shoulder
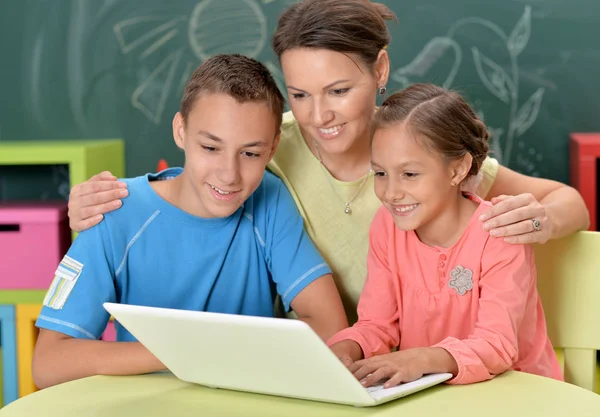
(519, 219)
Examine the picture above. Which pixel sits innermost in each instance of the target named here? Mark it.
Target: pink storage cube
(110, 333)
(33, 239)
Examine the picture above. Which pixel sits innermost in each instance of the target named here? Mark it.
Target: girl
(452, 298)
(334, 60)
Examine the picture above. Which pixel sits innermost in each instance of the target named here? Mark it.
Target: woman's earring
(382, 90)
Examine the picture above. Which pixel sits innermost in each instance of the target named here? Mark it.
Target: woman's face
(332, 95)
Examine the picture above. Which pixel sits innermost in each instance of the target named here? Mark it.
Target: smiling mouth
(222, 192)
(405, 208)
(331, 131)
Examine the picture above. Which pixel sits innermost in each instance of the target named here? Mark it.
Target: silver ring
(537, 226)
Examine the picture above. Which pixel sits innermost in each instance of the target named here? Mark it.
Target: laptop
(264, 355)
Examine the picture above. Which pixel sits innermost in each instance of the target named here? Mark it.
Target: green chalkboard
(115, 68)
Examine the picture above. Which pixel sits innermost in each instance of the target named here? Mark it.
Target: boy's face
(227, 147)
(412, 182)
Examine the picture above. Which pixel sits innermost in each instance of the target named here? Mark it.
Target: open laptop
(271, 356)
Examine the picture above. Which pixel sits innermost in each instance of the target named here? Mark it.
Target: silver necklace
(347, 208)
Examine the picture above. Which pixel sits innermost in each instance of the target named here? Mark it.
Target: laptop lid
(255, 354)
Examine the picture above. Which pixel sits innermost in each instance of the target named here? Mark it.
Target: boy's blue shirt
(151, 253)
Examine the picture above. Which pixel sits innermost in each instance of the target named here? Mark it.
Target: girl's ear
(460, 169)
(178, 129)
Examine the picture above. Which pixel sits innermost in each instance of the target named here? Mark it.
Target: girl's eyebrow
(401, 165)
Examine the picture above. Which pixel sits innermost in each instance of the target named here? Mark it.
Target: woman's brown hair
(444, 118)
(354, 27)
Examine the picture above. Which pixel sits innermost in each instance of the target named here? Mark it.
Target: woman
(334, 60)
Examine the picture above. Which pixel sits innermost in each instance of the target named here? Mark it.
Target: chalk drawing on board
(438, 48)
(131, 33)
(227, 26)
(500, 78)
(150, 96)
(187, 73)
(211, 27)
(528, 159)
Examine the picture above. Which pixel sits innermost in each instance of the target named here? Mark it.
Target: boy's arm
(73, 312)
(60, 358)
(302, 277)
(320, 306)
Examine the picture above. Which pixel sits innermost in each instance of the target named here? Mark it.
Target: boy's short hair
(243, 78)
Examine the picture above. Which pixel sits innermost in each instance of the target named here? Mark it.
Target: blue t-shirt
(151, 253)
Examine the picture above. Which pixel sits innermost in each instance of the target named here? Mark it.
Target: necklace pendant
(348, 210)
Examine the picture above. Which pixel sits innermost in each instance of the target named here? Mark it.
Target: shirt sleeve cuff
(449, 344)
(354, 335)
(64, 327)
(302, 282)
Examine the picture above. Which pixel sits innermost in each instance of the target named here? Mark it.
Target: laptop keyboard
(374, 388)
(377, 392)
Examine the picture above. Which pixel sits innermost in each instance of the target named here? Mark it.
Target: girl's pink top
(476, 299)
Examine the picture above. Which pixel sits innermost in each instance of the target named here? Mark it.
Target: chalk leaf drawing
(493, 76)
(501, 78)
(528, 112)
(519, 37)
(207, 28)
(436, 49)
(495, 142)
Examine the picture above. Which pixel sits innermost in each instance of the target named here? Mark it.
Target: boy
(220, 235)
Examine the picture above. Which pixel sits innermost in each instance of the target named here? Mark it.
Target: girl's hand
(402, 366)
(518, 219)
(91, 199)
(347, 351)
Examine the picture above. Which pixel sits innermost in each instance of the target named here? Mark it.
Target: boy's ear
(274, 146)
(461, 168)
(178, 129)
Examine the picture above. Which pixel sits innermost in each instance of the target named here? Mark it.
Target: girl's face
(332, 95)
(413, 182)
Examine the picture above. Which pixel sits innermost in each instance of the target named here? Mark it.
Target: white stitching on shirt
(67, 324)
(262, 242)
(260, 239)
(137, 235)
(302, 278)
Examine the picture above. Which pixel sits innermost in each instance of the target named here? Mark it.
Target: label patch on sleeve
(65, 277)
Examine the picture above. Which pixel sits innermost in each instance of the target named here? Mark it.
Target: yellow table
(513, 394)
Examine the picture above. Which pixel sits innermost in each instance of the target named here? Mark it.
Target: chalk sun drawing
(210, 27)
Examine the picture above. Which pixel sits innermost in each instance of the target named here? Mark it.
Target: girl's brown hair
(446, 121)
(354, 27)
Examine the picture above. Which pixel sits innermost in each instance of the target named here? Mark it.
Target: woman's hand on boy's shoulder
(90, 200)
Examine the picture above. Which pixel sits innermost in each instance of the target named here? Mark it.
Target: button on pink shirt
(477, 299)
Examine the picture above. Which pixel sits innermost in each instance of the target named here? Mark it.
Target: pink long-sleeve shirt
(476, 299)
